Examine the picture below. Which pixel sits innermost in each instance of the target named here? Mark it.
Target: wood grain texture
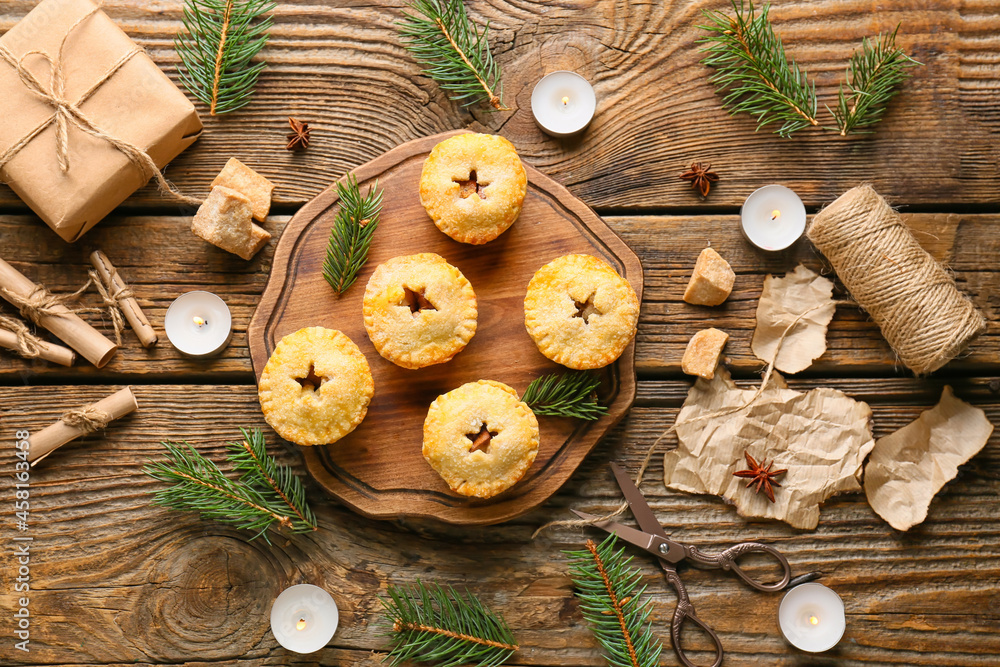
(162, 259)
(117, 581)
(340, 66)
(378, 468)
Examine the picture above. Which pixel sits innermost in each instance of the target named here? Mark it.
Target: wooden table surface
(115, 580)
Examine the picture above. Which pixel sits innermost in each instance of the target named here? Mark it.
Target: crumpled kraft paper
(781, 302)
(907, 468)
(822, 437)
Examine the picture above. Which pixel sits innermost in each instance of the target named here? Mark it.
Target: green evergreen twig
(570, 394)
(351, 236)
(268, 493)
(433, 624)
(873, 77)
(222, 37)
(612, 603)
(752, 64)
(453, 51)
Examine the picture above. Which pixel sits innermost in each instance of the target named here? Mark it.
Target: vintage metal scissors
(653, 538)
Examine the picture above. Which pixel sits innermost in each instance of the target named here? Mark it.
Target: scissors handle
(727, 560)
(685, 612)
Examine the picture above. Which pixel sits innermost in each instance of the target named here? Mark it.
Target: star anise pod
(298, 138)
(701, 177)
(761, 475)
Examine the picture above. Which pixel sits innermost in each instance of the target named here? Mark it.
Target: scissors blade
(637, 503)
(672, 552)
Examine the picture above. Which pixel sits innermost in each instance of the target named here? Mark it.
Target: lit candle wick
(565, 101)
(301, 625)
(814, 620)
(200, 322)
(775, 214)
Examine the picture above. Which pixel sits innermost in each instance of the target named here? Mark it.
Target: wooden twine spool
(915, 302)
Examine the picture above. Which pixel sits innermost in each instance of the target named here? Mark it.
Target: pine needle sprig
(249, 503)
(570, 394)
(453, 51)
(351, 236)
(612, 603)
(433, 624)
(873, 78)
(222, 38)
(262, 471)
(753, 66)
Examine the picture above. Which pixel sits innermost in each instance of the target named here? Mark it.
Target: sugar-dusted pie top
(473, 211)
(302, 412)
(579, 312)
(455, 419)
(419, 310)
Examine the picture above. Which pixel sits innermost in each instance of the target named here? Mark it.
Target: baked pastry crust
(419, 310)
(579, 312)
(301, 412)
(453, 421)
(473, 212)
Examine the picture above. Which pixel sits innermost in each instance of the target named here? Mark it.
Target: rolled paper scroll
(40, 349)
(60, 320)
(121, 294)
(79, 422)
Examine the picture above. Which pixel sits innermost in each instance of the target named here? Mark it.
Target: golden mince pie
(316, 387)
(473, 186)
(480, 438)
(419, 310)
(579, 312)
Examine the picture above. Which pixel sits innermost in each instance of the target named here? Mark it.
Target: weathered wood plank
(115, 580)
(163, 259)
(341, 67)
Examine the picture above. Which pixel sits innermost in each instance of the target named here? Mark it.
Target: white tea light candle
(811, 617)
(199, 324)
(563, 103)
(304, 618)
(773, 217)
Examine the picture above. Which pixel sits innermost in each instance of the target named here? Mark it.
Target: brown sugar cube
(225, 220)
(702, 353)
(237, 176)
(712, 280)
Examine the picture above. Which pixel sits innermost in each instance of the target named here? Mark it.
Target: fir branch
(351, 236)
(249, 503)
(873, 77)
(752, 64)
(570, 394)
(611, 603)
(433, 624)
(262, 471)
(453, 51)
(222, 37)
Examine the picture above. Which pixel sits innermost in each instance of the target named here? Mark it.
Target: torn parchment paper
(783, 300)
(821, 437)
(907, 468)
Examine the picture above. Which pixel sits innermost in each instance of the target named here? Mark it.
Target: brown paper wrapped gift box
(137, 104)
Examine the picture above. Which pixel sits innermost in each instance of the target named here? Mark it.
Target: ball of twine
(915, 302)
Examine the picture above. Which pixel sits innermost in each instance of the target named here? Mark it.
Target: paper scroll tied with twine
(79, 422)
(915, 302)
(118, 297)
(14, 335)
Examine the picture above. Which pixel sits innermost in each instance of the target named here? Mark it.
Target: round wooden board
(379, 469)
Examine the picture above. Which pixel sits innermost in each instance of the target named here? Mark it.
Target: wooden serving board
(379, 469)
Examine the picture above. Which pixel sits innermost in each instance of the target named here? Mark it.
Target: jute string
(42, 303)
(68, 113)
(112, 299)
(88, 419)
(27, 343)
(914, 300)
(765, 381)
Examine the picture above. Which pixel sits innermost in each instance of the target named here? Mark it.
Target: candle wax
(304, 618)
(198, 324)
(773, 217)
(811, 617)
(563, 103)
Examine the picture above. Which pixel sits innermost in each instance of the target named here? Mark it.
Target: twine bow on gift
(69, 113)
